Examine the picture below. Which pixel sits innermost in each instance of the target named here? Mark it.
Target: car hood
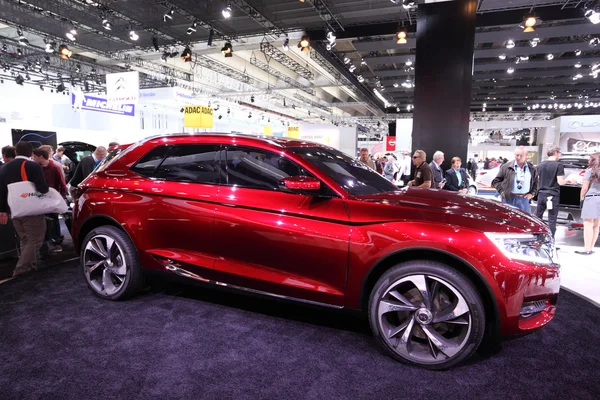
(442, 206)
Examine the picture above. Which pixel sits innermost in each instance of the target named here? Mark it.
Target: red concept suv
(434, 271)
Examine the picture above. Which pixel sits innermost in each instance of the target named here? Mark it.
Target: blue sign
(91, 103)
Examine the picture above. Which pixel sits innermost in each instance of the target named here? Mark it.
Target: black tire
(133, 281)
(435, 273)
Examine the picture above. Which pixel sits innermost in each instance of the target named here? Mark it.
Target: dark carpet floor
(57, 340)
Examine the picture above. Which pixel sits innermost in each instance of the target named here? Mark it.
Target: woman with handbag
(590, 196)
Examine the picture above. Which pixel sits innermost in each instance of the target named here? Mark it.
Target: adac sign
(198, 117)
(92, 103)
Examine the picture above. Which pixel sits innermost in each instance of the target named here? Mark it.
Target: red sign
(390, 143)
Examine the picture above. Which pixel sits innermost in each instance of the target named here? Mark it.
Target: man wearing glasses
(517, 181)
(423, 174)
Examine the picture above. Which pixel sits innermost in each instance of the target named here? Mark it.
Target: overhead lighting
(524, 58)
(186, 55)
(19, 80)
(49, 47)
(577, 52)
(577, 65)
(106, 24)
(64, 52)
(549, 57)
(409, 63)
(331, 41)
(304, 44)
(286, 44)
(46, 59)
(594, 42)
(510, 70)
(227, 50)
(396, 85)
(360, 78)
(534, 42)
(22, 39)
(401, 35)
(227, 12)
(73, 30)
(352, 68)
(530, 21)
(19, 52)
(71, 36)
(593, 16)
(132, 35)
(346, 60)
(192, 28)
(510, 109)
(502, 56)
(408, 3)
(510, 44)
(169, 15)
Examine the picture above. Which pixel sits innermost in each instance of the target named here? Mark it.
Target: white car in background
(485, 177)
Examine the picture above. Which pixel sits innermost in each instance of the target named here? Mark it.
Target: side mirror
(305, 183)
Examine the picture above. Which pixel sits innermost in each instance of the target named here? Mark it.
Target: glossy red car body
(323, 250)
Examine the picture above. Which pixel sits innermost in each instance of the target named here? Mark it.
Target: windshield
(355, 177)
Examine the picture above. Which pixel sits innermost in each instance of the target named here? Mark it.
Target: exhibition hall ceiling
(513, 70)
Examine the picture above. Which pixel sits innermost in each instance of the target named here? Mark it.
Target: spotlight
(22, 39)
(78, 68)
(409, 63)
(534, 42)
(346, 60)
(502, 56)
(401, 35)
(220, 116)
(132, 35)
(510, 44)
(49, 48)
(331, 39)
(286, 44)
(60, 88)
(19, 80)
(352, 68)
(304, 44)
(227, 12)
(396, 85)
(524, 58)
(577, 65)
(19, 52)
(70, 36)
(510, 70)
(192, 28)
(578, 52)
(593, 16)
(106, 24)
(594, 42)
(155, 44)
(252, 99)
(408, 3)
(169, 15)
(550, 57)
(510, 109)
(47, 60)
(360, 78)
(227, 50)
(64, 52)
(530, 21)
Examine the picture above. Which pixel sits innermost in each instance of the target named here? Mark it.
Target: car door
(180, 204)
(272, 240)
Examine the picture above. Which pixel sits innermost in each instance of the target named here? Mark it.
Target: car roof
(283, 142)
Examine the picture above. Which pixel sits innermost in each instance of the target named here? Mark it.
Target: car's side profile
(434, 271)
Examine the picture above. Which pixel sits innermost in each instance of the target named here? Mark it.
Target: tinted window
(196, 163)
(258, 169)
(109, 157)
(148, 164)
(356, 178)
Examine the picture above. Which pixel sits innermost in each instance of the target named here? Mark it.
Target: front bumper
(530, 295)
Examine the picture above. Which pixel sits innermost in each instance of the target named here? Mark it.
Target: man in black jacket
(456, 177)
(32, 229)
(87, 165)
(517, 181)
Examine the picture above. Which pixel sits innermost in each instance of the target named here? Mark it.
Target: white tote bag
(24, 200)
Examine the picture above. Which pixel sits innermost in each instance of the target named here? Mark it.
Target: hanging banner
(123, 88)
(84, 102)
(268, 131)
(293, 132)
(390, 143)
(197, 117)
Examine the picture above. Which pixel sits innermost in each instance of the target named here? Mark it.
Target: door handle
(229, 205)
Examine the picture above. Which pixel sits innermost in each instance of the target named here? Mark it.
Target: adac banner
(197, 117)
(99, 104)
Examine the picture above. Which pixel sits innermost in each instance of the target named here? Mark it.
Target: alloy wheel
(472, 190)
(424, 319)
(104, 265)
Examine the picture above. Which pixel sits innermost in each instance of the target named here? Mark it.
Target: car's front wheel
(427, 314)
(110, 264)
(472, 190)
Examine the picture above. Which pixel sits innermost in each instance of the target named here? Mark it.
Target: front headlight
(535, 248)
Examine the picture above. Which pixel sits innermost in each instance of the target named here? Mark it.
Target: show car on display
(435, 272)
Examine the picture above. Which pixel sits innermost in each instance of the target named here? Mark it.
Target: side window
(258, 169)
(195, 163)
(148, 164)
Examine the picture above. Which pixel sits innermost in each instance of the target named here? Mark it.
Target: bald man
(517, 181)
(87, 165)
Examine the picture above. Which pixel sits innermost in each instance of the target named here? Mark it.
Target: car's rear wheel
(427, 314)
(472, 190)
(110, 264)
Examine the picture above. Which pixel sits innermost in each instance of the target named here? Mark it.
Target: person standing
(590, 196)
(423, 175)
(55, 179)
(551, 176)
(8, 154)
(517, 181)
(436, 169)
(404, 172)
(365, 158)
(31, 229)
(457, 180)
(388, 169)
(87, 165)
